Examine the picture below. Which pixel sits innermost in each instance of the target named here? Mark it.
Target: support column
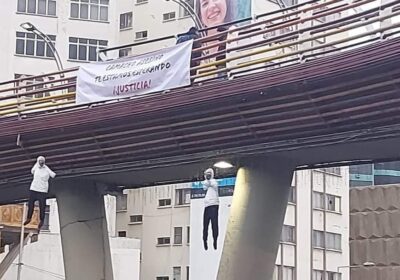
(83, 228)
(255, 224)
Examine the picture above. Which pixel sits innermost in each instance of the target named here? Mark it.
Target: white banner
(156, 71)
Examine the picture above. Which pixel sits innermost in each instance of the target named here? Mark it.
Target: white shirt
(212, 196)
(41, 176)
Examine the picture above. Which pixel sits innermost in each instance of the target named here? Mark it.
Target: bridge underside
(338, 108)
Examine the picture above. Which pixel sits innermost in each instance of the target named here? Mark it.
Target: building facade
(314, 238)
(78, 29)
(374, 234)
(375, 174)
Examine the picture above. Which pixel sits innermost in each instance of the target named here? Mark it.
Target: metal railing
(276, 39)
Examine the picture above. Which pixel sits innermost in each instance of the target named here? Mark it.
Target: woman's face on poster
(213, 12)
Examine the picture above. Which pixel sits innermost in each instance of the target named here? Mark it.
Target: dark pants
(210, 214)
(33, 196)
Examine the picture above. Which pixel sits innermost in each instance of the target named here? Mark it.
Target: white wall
(43, 260)
(204, 264)
(157, 222)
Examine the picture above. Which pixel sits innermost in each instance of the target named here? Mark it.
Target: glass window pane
(40, 48)
(92, 54)
(103, 43)
(92, 42)
(105, 2)
(30, 47)
(104, 13)
(129, 20)
(122, 21)
(52, 8)
(94, 12)
(84, 11)
(73, 51)
(74, 10)
(20, 49)
(21, 34)
(21, 6)
(42, 7)
(82, 53)
(32, 6)
(49, 52)
(73, 40)
(30, 35)
(83, 41)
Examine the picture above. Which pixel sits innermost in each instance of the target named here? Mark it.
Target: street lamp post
(31, 28)
(366, 264)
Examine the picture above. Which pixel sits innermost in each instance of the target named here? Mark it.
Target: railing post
(304, 35)
(385, 12)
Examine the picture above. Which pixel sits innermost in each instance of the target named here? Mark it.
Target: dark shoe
(27, 222)
(215, 244)
(40, 225)
(205, 245)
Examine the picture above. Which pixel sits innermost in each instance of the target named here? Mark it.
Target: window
(329, 202)
(288, 234)
(318, 239)
(292, 195)
(169, 16)
(124, 52)
(176, 272)
(287, 273)
(121, 233)
(330, 241)
(333, 241)
(141, 35)
(283, 273)
(318, 275)
(177, 235)
(183, 12)
(333, 276)
(85, 49)
(162, 278)
(122, 202)
(332, 170)
(187, 273)
(38, 7)
(164, 202)
(32, 45)
(33, 80)
(290, 2)
(163, 241)
(182, 196)
(125, 20)
(333, 203)
(276, 273)
(188, 235)
(136, 219)
(93, 10)
(318, 200)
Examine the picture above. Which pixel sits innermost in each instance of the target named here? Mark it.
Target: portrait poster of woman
(217, 12)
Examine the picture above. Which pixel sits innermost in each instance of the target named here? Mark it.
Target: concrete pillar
(84, 234)
(256, 219)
